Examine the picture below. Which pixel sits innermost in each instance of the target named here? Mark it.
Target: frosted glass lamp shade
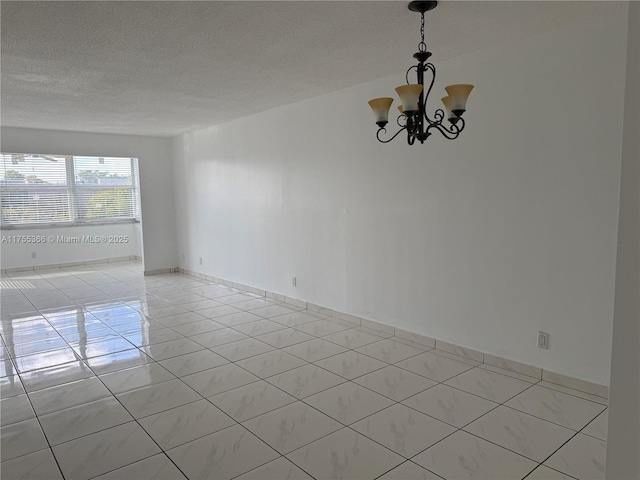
(409, 96)
(401, 110)
(446, 101)
(380, 107)
(459, 94)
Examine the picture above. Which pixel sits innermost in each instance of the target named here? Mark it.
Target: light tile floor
(109, 374)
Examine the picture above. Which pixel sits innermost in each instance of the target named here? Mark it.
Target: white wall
(69, 244)
(482, 242)
(623, 445)
(157, 236)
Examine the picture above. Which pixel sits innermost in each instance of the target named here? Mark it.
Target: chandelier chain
(422, 46)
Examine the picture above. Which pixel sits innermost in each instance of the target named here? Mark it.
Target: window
(54, 189)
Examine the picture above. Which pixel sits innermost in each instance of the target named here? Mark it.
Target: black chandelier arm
(385, 130)
(438, 117)
(409, 70)
(439, 114)
(402, 117)
(449, 134)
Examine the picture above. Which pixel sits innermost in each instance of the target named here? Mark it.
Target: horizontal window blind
(49, 189)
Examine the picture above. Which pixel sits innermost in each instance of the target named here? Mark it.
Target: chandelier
(413, 116)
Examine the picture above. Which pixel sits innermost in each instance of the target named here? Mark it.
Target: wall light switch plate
(543, 340)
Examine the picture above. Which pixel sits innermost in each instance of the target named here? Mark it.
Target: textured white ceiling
(165, 68)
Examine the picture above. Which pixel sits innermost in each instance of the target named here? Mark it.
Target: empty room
(347, 240)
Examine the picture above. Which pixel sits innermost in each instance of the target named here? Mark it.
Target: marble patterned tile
(284, 338)
(409, 471)
(222, 455)
(546, 473)
(102, 347)
(136, 377)
(156, 398)
(314, 350)
(278, 469)
(23, 349)
(40, 465)
(260, 327)
(68, 395)
(351, 364)
(581, 457)
(10, 386)
(152, 337)
(575, 393)
(236, 298)
(40, 360)
(237, 319)
(220, 379)
(459, 351)
(218, 337)
(251, 400)
(157, 467)
(345, 454)
(253, 303)
(101, 452)
(459, 358)
(7, 368)
(370, 326)
(510, 373)
(271, 363)
(450, 405)
(15, 409)
(557, 407)
(576, 384)
(172, 348)
(519, 432)
(270, 311)
(598, 427)
(403, 430)
(84, 419)
(17, 337)
(193, 362)
(348, 402)
(394, 382)
(295, 318)
(186, 423)
(292, 426)
(242, 349)
(118, 361)
(513, 366)
(490, 385)
(352, 338)
(198, 327)
(435, 367)
(411, 343)
(389, 351)
(172, 312)
(21, 438)
(218, 312)
(322, 327)
(75, 338)
(306, 380)
(201, 305)
(464, 456)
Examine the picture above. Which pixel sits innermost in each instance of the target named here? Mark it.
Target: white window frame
(71, 188)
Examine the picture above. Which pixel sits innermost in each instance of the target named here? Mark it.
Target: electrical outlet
(294, 281)
(33, 254)
(543, 340)
(200, 260)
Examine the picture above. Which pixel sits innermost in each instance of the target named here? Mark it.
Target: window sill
(36, 226)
